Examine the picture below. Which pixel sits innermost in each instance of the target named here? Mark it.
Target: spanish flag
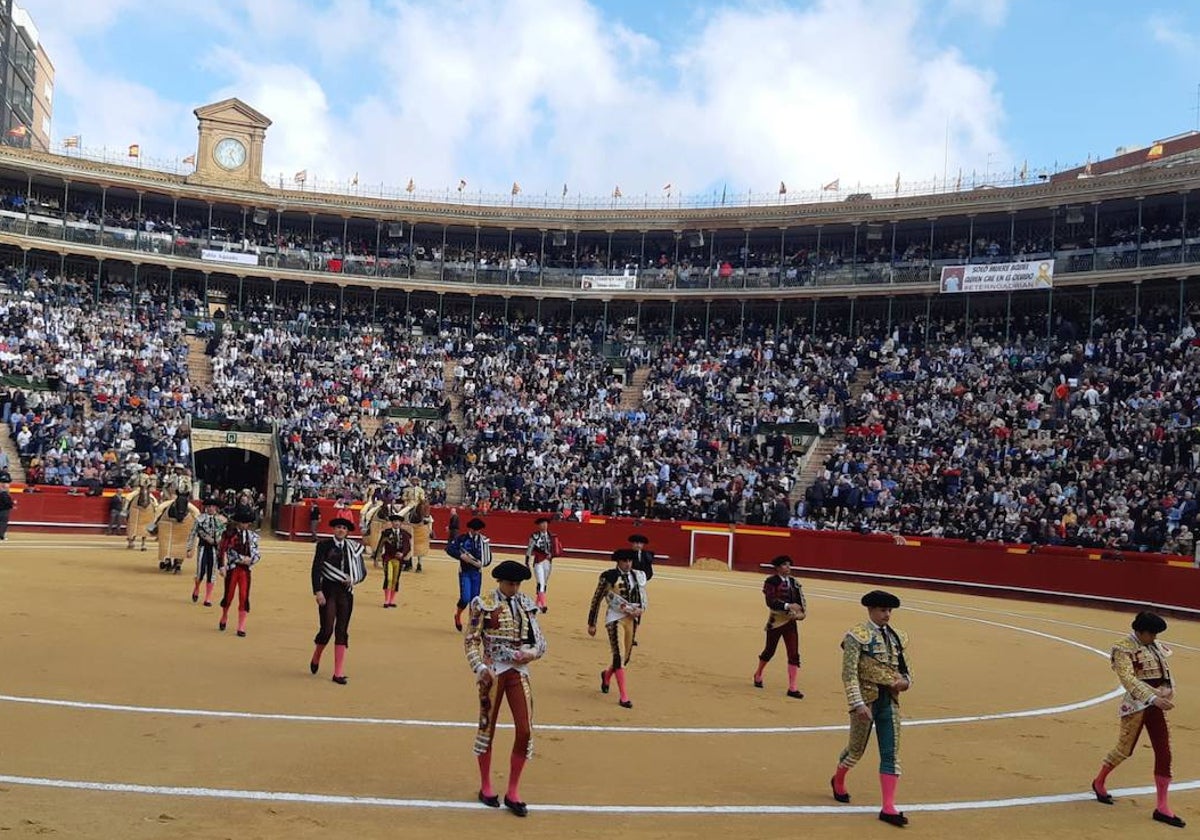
(617, 191)
(516, 188)
(412, 185)
(835, 184)
(18, 131)
(1156, 151)
(190, 160)
(71, 142)
(135, 150)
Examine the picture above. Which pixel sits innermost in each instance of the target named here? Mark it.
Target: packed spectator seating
(1079, 441)
(1120, 237)
(95, 389)
(996, 432)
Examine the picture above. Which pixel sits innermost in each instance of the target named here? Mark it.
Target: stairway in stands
(455, 491)
(631, 397)
(15, 470)
(199, 365)
(814, 463)
(370, 425)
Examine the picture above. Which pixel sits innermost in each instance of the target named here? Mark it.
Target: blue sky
(599, 93)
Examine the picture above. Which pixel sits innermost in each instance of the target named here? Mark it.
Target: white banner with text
(998, 277)
(228, 257)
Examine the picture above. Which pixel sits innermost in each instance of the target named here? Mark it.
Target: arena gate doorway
(225, 467)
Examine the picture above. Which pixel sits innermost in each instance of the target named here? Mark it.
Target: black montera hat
(342, 522)
(511, 570)
(476, 524)
(639, 538)
(879, 598)
(780, 560)
(624, 554)
(1148, 622)
(244, 518)
(541, 519)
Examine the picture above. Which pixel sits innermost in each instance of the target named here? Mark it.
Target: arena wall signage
(998, 277)
(228, 257)
(602, 282)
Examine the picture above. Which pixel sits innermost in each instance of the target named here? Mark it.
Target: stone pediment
(232, 111)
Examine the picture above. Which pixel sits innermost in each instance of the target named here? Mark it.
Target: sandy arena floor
(116, 694)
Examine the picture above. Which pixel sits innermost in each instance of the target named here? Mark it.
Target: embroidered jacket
(623, 592)
(238, 548)
(778, 592)
(541, 547)
(497, 628)
(477, 545)
(394, 542)
(1137, 665)
(208, 528)
(872, 658)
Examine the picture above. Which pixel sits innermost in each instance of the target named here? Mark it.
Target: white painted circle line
(704, 810)
(550, 727)
(643, 730)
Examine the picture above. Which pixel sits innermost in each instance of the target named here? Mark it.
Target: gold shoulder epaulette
(1125, 644)
(861, 633)
(487, 603)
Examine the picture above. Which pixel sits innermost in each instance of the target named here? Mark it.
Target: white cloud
(301, 135)
(1166, 30)
(991, 13)
(544, 93)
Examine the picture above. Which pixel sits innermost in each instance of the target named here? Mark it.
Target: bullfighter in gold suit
(502, 638)
(874, 672)
(1140, 661)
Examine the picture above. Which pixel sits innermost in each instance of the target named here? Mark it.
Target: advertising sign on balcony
(998, 277)
(604, 282)
(228, 257)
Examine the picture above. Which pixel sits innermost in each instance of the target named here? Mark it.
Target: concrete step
(199, 365)
(454, 489)
(456, 415)
(15, 471)
(371, 425)
(631, 397)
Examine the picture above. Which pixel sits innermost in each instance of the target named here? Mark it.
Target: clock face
(229, 153)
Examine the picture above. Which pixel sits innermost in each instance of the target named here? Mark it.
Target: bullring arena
(984, 399)
(127, 714)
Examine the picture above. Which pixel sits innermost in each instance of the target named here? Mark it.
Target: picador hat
(879, 598)
(1148, 622)
(511, 570)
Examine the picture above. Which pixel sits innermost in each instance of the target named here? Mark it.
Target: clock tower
(229, 152)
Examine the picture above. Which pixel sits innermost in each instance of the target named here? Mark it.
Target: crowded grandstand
(800, 366)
